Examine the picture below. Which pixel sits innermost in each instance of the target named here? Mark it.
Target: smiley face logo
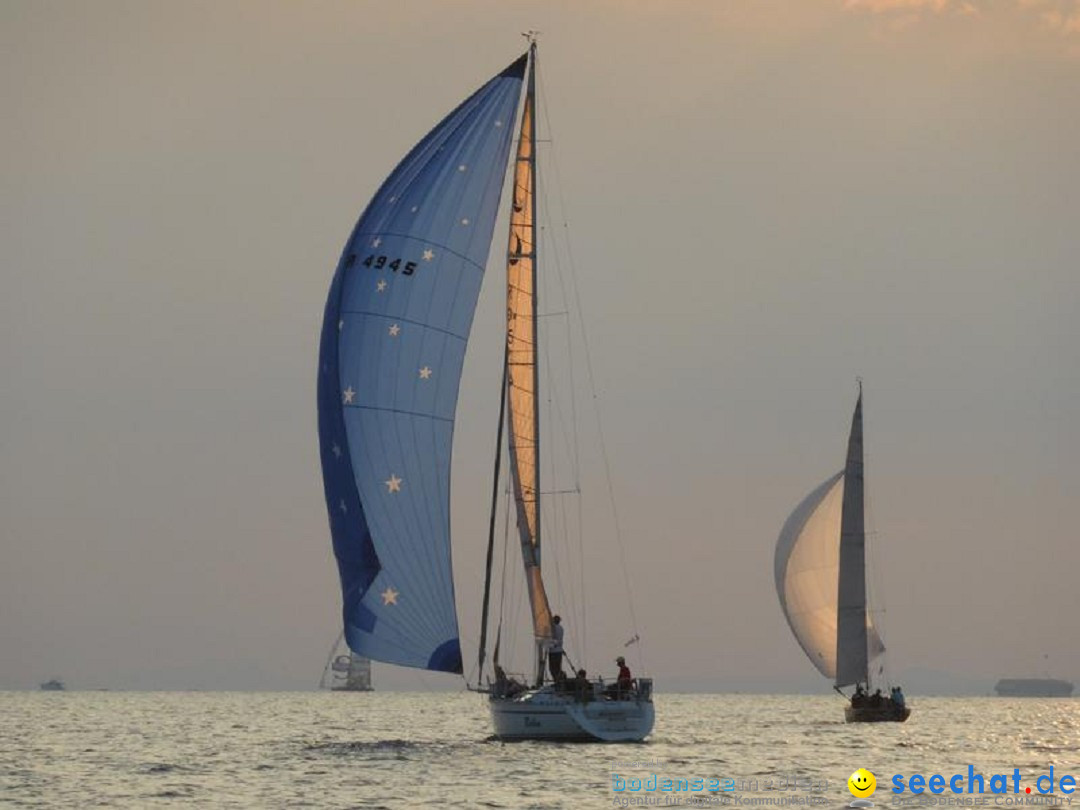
(862, 784)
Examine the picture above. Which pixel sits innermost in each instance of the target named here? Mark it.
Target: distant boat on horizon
(345, 671)
(1033, 687)
(55, 685)
(820, 570)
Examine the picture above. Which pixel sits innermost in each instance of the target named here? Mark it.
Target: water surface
(400, 750)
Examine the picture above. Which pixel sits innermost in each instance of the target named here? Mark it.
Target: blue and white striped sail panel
(393, 342)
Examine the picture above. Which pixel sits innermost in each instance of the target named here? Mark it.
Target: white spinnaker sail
(807, 568)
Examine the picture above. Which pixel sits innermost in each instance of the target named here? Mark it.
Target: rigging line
(557, 522)
(570, 436)
(572, 536)
(568, 429)
(592, 388)
(554, 536)
(556, 248)
(505, 551)
(491, 523)
(575, 462)
(519, 603)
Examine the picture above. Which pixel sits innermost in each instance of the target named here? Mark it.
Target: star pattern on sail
(394, 330)
(381, 286)
(425, 373)
(393, 483)
(349, 395)
(389, 596)
(429, 254)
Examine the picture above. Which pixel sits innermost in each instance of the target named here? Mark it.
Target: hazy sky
(765, 199)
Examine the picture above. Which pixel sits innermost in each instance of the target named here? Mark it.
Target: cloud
(1060, 16)
(882, 6)
(1065, 18)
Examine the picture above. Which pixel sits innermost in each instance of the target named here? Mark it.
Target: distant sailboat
(345, 671)
(397, 319)
(55, 685)
(820, 570)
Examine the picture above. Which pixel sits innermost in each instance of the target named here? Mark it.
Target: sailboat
(345, 671)
(396, 323)
(820, 570)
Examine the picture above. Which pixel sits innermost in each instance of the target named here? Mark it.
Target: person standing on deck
(555, 649)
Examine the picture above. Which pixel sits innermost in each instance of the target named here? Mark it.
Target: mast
(523, 377)
(851, 635)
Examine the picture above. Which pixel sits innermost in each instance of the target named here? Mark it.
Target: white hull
(543, 714)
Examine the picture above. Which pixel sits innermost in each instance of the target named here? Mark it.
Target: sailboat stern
(548, 714)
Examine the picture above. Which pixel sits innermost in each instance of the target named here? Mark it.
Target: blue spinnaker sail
(393, 342)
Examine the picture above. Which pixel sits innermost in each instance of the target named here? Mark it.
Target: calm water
(328, 750)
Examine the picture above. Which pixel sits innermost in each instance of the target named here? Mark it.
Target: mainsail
(521, 358)
(393, 342)
(851, 654)
(822, 595)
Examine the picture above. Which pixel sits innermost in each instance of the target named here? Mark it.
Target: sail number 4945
(379, 262)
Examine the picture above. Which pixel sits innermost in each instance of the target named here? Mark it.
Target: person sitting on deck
(581, 687)
(876, 700)
(898, 698)
(624, 683)
(858, 700)
(505, 686)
